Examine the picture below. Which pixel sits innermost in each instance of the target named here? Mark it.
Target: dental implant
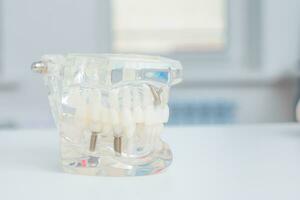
(93, 141)
(110, 110)
(115, 120)
(118, 145)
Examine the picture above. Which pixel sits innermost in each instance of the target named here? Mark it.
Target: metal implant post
(118, 144)
(93, 141)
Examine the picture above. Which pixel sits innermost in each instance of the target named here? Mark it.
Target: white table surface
(260, 162)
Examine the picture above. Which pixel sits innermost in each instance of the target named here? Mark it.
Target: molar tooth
(150, 115)
(164, 95)
(149, 129)
(148, 105)
(147, 96)
(158, 114)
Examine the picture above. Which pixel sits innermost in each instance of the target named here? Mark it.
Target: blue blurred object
(202, 112)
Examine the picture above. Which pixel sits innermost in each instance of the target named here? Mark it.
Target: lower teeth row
(121, 110)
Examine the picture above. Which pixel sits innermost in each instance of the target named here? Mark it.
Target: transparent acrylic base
(94, 165)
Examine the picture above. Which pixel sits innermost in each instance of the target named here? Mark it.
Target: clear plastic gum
(110, 110)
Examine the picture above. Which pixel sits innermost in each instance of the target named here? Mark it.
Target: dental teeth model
(110, 111)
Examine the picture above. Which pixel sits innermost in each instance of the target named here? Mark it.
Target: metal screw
(93, 141)
(39, 67)
(118, 145)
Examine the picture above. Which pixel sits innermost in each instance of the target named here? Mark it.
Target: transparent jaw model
(110, 111)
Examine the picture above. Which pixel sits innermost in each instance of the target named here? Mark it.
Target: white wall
(31, 28)
(281, 34)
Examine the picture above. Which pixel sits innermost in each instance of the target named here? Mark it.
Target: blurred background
(241, 58)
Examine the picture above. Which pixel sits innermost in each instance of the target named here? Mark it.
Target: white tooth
(164, 95)
(72, 130)
(165, 114)
(158, 114)
(105, 115)
(126, 117)
(149, 130)
(96, 126)
(129, 130)
(114, 114)
(138, 114)
(159, 129)
(147, 96)
(150, 115)
(126, 97)
(139, 129)
(95, 106)
(107, 128)
(114, 106)
(148, 105)
(125, 114)
(114, 98)
(81, 116)
(117, 131)
(74, 98)
(136, 97)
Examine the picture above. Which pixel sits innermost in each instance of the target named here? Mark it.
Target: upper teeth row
(124, 107)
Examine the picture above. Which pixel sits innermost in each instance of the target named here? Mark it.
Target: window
(169, 27)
